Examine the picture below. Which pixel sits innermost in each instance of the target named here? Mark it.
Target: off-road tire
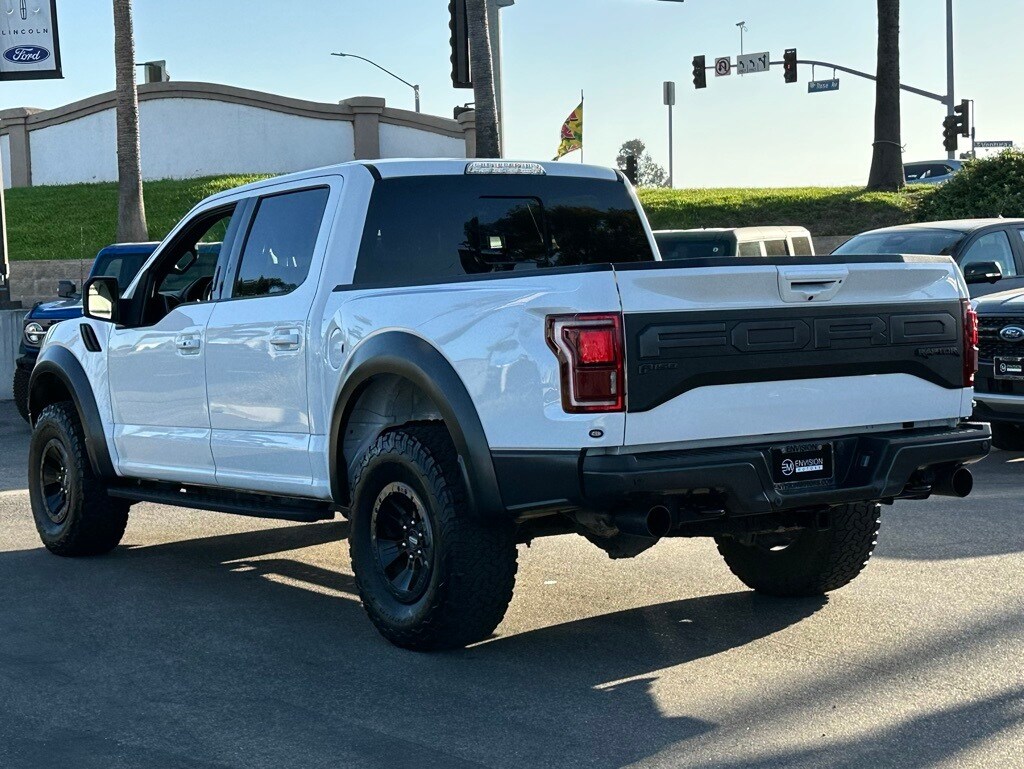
(93, 523)
(21, 379)
(1008, 436)
(473, 561)
(816, 562)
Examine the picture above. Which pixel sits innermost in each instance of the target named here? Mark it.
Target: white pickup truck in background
(462, 356)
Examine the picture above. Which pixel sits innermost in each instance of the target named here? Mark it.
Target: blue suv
(121, 260)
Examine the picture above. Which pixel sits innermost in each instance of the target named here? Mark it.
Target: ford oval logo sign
(26, 54)
(1011, 334)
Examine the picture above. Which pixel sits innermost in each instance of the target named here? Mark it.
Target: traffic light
(700, 78)
(789, 65)
(459, 25)
(950, 130)
(963, 117)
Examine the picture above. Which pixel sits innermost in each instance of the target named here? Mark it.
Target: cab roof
(954, 225)
(401, 167)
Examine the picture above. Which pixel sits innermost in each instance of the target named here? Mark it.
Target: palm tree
(131, 212)
(887, 157)
(488, 144)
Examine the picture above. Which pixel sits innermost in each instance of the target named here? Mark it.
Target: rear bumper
(867, 467)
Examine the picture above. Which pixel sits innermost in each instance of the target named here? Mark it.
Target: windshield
(676, 247)
(936, 242)
(124, 267)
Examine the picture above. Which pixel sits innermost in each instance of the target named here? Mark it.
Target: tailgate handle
(810, 284)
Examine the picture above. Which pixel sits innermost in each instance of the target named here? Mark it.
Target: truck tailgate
(737, 348)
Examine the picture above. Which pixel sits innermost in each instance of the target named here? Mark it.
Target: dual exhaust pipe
(955, 481)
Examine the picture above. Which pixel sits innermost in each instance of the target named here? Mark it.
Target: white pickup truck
(462, 356)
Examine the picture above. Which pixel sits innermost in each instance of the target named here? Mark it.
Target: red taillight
(591, 360)
(970, 343)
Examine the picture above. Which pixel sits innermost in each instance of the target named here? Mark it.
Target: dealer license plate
(804, 462)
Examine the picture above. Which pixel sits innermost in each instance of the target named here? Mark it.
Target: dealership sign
(29, 46)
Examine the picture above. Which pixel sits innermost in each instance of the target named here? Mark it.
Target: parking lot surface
(209, 640)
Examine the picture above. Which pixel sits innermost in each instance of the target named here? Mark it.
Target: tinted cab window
(429, 228)
(279, 247)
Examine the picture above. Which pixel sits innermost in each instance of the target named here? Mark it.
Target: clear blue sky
(752, 131)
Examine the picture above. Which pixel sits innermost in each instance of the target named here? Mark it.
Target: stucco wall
(402, 142)
(204, 129)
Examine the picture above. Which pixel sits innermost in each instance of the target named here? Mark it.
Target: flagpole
(583, 114)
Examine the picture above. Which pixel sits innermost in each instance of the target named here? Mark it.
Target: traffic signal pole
(950, 76)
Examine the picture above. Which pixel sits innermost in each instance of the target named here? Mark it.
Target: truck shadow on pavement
(186, 652)
(224, 651)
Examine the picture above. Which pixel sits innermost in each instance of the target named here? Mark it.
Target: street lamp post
(415, 88)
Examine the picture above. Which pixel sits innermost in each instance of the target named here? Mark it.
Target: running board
(225, 501)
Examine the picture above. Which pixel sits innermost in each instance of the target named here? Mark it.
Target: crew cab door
(257, 343)
(157, 361)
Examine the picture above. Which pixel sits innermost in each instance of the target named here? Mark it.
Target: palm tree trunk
(887, 157)
(131, 212)
(488, 144)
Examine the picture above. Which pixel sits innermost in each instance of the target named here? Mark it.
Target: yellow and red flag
(572, 133)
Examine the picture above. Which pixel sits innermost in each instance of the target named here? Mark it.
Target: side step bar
(225, 501)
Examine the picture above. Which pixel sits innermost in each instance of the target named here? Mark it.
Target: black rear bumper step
(225, 501)
(873, 466)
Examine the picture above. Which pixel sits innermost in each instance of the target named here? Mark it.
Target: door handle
(286, 339)
(188, 344)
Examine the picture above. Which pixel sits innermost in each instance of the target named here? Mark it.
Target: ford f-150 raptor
(462, 356)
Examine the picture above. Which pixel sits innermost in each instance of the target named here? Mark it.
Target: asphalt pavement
(209, 640)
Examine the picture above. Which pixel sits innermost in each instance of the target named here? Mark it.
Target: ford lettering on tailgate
(676, 352)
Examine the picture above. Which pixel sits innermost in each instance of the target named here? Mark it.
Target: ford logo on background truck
(1011, 333)
(26, 54)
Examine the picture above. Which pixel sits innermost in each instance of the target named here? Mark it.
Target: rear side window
(431, 228)
(685, 248)
(801, 246)
(749, 248)
(775, 248)
(279, 247)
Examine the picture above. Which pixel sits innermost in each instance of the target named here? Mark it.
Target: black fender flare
(414, 359)
(59, 362)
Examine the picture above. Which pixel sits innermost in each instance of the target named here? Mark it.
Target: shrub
(984, 188)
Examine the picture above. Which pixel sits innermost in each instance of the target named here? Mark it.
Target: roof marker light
(507, 167)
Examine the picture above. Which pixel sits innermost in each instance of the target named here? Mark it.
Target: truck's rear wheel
(810, 561)
(430, 575)
(73, 514)
(1008, 436)
(21, 379)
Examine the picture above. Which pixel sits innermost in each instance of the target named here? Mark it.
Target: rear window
(749, 248)
(776, 248)
(692, 248)
(935, 242)
(429, 228)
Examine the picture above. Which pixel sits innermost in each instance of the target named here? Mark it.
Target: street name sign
(723, 66)
(821, 86)
(29, 45)
(753, 62)
(993, 144)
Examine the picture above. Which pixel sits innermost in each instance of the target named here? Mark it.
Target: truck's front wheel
(810, 561)
(73, 514)
(430, 575)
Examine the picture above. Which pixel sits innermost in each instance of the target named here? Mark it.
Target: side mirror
(983, 272)
(65, 289)
(101, 300)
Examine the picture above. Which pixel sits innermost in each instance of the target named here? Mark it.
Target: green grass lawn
(76, 221)
(822, 210)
